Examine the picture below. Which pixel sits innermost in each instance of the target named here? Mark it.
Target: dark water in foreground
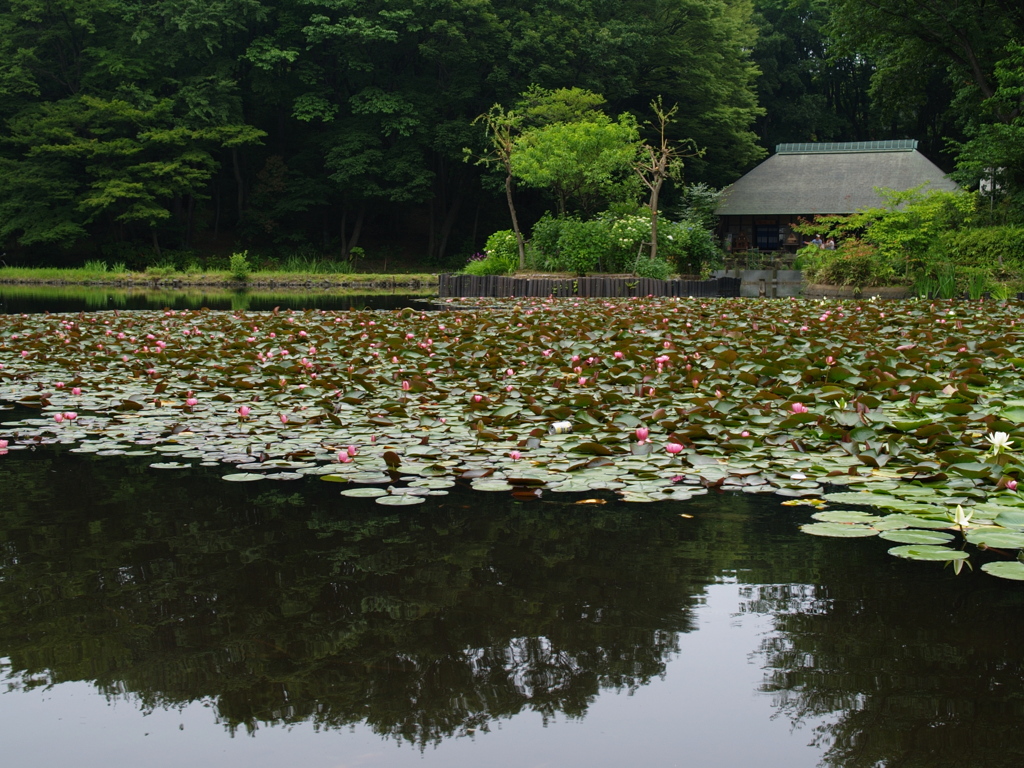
(153, 617)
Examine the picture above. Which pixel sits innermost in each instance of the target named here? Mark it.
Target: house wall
(764, 233)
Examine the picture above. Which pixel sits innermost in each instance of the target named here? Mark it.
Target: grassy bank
(156, 277)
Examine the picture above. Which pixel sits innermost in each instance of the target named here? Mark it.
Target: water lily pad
(283, 476)
(403, 500)
(996, 537)
(1013, 570)
(640, 498)
(490, 485)
(169, 465)
(839, 530)
(927, 552)
(913, 521)
(242, 477)
(364, 493)
(1013, 519)
(845, 516)
(916, 537)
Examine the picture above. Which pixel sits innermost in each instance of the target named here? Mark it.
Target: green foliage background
(325, 124)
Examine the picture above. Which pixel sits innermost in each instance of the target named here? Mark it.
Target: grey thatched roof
(830, 178)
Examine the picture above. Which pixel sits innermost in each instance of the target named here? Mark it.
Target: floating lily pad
(928, 552)
(913, 521)
(491, 485)
(242, 477)
(1013, 519)
(283, 476)
(403, 500)
(916, 537)
(996, 537)
(169, 465)
(364, 493)
(845, 516)
(1013, 570)
(839, 530)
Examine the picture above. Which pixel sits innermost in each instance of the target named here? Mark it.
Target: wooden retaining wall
(503, 286)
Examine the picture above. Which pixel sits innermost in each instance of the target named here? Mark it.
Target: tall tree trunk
(515, 222)
(655, 191)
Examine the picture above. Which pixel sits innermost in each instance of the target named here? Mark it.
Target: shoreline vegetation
(15, 276)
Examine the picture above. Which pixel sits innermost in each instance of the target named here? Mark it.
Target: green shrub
(853, 263)
(544, 242)
(584, 246)
(998, 248)
(487, 266)
(95, 266)
(614, 241)
(689, 245)
(630, 239)
(239, 267)
(657, 268)
(503, 247)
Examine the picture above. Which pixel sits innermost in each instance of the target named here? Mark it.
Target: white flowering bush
(615, 243)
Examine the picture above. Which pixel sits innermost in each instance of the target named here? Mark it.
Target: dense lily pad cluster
(922, 403)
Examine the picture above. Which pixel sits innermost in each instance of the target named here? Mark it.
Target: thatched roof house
(803, 180)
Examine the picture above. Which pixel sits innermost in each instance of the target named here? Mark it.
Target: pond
(151, 619)
(30, 299)
(413, 564)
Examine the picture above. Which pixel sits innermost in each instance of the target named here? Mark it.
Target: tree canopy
(330, 123)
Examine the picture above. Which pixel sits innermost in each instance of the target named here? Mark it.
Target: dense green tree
(326, 121)
(995, 152)
(119, 110)
(934, 63)
(574, 150)
(808, 93)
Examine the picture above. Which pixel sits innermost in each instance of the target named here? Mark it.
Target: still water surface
(35, 299)
(158, 618)
(154, 617)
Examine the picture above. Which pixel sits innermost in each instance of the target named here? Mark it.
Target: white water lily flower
(960, 517)
(1000, 441)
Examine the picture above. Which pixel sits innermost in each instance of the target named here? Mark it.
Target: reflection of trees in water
(912, 666)
(280, 608)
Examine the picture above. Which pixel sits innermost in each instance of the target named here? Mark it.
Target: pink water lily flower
(343, 457)
(191, 402)
(674, 448)
(76, 391)
(515, 455)
(244, 411)
(798, 408)
(352, 451)
(58, 417)
(283, 417)
(1011, 485)
(642, 433)
(70, 415)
